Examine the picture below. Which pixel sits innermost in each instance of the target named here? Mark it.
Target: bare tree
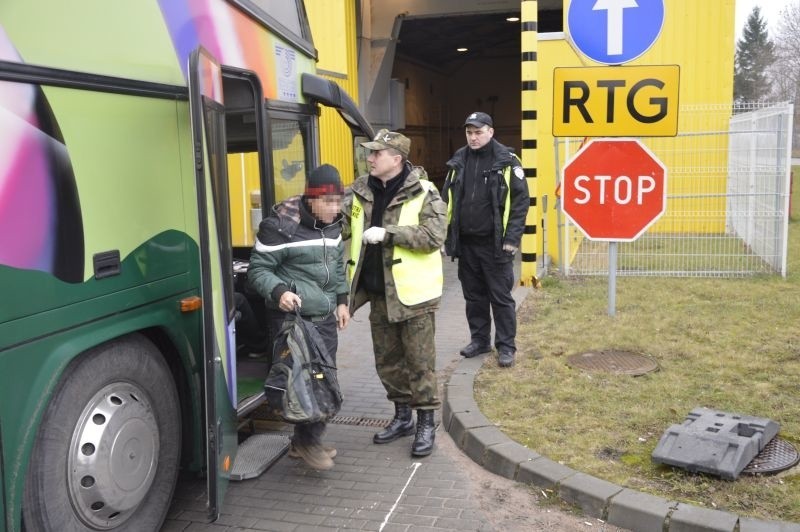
(785, 71)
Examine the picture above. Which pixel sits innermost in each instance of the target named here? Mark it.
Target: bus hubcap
(113, 456)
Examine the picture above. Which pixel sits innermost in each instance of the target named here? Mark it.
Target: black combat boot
(401, 425)
(426, 433)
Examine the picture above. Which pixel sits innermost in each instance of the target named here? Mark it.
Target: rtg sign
(626, 101)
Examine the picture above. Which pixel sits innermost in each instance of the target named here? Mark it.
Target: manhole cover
(776, 456)
(612, 361)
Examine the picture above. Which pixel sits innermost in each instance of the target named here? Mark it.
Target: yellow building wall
(244, 188)
(333, 27)
(242, 182)
(699, 37)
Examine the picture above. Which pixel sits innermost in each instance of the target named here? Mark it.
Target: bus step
(257, 453)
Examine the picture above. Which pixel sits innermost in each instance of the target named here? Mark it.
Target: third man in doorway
(488, 201)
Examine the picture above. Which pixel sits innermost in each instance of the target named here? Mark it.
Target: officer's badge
(519, 172)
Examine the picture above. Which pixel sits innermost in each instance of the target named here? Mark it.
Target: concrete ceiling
(433, 40)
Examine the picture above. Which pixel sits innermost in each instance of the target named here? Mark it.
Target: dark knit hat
(324, 180)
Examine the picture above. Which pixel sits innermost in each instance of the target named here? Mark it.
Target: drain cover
(776, 456)
(357, 420)
(613, 361)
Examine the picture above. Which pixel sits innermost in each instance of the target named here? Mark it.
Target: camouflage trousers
(405, 356)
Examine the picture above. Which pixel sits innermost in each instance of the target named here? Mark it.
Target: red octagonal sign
(614, 189)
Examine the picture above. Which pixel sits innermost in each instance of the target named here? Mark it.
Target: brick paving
(371, 487)
(383, 488)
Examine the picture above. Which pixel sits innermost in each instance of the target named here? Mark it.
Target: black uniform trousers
(487, 283)
(307, 434)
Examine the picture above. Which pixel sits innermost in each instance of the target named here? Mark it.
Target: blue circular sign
(613, 32)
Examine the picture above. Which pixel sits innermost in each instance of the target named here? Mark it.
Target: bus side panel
(119, 157)
(37, 366)
(2, 483)
(126, 163)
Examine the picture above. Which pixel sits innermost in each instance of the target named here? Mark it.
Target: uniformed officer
(396, 221)
(488, 201)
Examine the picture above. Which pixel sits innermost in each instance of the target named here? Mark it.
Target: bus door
(219, 343)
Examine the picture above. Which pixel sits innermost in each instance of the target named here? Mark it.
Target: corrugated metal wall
(333, 26)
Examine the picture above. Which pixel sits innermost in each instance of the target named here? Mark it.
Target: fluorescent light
(462, 49)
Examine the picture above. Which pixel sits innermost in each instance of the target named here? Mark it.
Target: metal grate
(728, 179)
(257, 453)
(613, 361)
(776, 456)
(361, 421)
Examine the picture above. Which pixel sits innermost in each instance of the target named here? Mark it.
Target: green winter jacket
(293, 252)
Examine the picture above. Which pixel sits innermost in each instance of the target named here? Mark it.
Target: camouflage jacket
(426, 237)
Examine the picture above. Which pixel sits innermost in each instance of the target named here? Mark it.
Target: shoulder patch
(519, 172)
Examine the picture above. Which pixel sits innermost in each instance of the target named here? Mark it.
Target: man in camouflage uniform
(396, 221)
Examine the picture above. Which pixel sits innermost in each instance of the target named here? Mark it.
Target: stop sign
(614, 189)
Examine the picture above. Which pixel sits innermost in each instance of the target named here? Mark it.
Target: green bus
(141, 144)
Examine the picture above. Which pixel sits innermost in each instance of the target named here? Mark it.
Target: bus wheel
(107, 452)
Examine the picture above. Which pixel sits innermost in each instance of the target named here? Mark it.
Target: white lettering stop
(624, 188)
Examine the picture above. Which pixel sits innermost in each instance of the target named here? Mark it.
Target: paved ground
(380, 487)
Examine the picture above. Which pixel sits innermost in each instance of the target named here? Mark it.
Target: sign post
(614, 190)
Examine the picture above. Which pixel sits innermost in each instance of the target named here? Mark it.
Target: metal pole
(560, 230)
(612, 278)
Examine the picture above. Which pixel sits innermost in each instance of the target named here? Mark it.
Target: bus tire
(107, 453)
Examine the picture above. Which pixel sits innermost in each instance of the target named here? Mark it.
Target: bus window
(360, 156)
(290, 153)
(286, 18)
(246, 156)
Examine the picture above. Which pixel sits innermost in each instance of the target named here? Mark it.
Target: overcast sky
(770, 11)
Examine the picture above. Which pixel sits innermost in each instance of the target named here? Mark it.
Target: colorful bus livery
(119, 126)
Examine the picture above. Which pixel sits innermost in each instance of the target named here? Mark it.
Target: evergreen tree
(755, 53)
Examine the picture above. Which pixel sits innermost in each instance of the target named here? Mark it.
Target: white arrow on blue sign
(613, 32)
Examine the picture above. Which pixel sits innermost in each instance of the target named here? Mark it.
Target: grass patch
(727, 344)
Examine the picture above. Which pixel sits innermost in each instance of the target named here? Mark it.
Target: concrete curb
(474, 434)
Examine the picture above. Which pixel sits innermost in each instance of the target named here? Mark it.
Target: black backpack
(301, 386)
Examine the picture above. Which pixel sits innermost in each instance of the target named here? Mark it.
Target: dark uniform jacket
(295, 251)
(503, 157)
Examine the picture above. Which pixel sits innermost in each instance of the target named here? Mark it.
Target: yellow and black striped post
(530, 74)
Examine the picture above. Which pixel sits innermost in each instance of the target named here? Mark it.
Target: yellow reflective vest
(412, 287)
(506, 207)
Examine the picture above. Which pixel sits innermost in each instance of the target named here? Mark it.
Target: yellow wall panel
(242, 184)
(327, 19)
(333, 27)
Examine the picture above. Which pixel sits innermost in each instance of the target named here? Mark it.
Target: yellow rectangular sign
(622, 101)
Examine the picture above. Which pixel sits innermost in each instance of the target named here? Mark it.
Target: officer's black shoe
(426, 433)
(401, 425)
(474, 349)
(505, 358)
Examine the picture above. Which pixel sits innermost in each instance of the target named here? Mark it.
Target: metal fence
(728, 181)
